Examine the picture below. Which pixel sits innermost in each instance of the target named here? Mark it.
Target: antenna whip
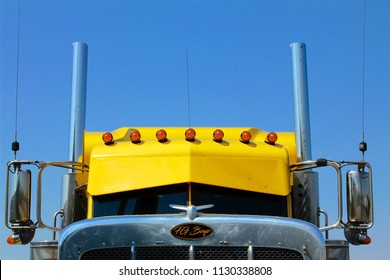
(363, 145)
(15, 144)
(188, 93)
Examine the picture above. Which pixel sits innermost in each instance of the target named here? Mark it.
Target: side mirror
(20, 197)
(359, 198)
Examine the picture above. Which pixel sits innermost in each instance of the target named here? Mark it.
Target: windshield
(157, 201)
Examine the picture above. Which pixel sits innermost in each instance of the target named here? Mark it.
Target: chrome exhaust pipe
(305, 198)
(69, 200)
(301, 101)
(78, 103)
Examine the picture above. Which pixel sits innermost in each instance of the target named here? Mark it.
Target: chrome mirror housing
(359, 198)
(20, 197)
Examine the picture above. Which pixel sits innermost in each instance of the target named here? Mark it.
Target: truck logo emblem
(191, 231)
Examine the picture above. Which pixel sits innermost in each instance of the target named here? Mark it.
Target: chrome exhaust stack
(305, 188)
(301, 101)
(76, 138)
(79, 97)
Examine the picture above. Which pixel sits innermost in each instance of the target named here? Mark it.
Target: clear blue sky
(240, 75)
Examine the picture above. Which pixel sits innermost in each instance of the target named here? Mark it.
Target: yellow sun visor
(209, 156)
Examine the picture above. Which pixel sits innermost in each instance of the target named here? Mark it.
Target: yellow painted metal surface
(123, 166)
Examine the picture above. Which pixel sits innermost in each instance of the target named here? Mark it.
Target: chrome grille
(162, 253)
(183, 253)
(260, 253)
(221, 253)
(115, 253)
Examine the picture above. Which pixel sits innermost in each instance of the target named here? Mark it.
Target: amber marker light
(218, 135)
(272, 137)
(245, 137)
(108, 138)
(161, 135)
(190, 134)
(135, 136)
(14, 239)
(367, 240)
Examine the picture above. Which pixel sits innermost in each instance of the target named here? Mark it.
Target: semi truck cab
(190, 193)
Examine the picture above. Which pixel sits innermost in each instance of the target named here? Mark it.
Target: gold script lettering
(197, 230)
(181, 230)
(187, 231)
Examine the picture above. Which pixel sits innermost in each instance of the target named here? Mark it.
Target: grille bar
(191, 252)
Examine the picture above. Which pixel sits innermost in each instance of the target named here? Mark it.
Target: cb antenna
(15, 144)
(363, 144)
(188, 93)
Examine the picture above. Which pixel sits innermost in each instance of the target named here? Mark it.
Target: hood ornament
(192, 210)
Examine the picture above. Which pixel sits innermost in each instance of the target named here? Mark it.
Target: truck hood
(166, 231)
